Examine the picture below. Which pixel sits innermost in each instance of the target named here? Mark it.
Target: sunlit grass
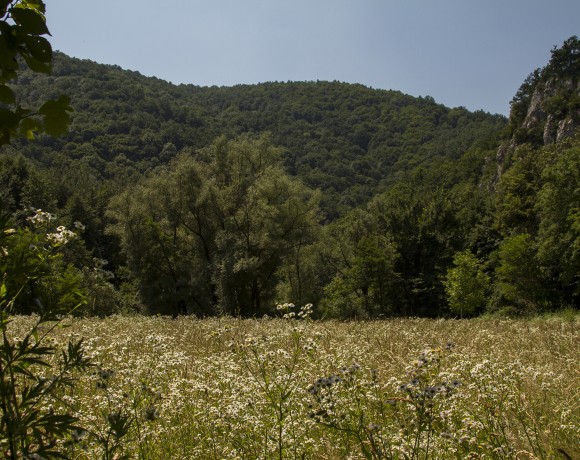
(230, 388)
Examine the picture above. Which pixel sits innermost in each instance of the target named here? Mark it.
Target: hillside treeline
(364, 202)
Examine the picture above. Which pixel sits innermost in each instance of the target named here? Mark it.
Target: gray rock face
(550, 130)
(535, 113)
(556, 123)
(567, 127)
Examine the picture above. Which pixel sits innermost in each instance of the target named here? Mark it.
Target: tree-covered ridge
(363, 202)
(348, 140)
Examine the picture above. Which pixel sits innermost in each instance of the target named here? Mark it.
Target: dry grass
(228, 388)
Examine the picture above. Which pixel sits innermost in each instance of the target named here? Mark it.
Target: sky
(470, 53)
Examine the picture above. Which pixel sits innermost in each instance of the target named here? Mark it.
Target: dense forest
(227, 200)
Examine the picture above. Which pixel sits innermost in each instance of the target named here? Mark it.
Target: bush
(466, 285)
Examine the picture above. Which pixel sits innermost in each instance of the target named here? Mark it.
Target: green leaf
(30, 126)
(8, 119)
(56, 117)
(39, 48)
(3, 291)
(37, 5)
(7, 95)
(31, 21)
(35, 65)
(8, 52)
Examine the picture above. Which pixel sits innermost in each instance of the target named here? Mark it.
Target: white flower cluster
(41, 217)
(3, 249)
(288, 311)
(61, 236)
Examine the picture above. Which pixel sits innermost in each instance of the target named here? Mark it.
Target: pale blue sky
(472, 53)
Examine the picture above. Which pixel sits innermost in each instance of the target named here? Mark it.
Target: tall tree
(218, 227)
(424, 226)
(362, 264)
(519, 286)
(558, 207)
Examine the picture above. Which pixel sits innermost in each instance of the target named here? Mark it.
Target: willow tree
(212, 232)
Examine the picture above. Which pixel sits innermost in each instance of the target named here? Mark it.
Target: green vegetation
(466, 285)
(227, 200)
(225, 388)
(22, 26)
(215, 233)
(221, 202)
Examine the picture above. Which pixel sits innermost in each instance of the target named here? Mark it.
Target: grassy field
(287, 388)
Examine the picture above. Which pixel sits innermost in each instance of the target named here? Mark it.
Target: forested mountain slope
(348, 140)
(364, 202)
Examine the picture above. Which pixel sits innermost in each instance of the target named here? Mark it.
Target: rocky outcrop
(539, 127)
(550, 130)
(556, 121)
(546, 108)
(536, 113)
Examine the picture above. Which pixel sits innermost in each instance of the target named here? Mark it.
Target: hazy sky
(472, 53)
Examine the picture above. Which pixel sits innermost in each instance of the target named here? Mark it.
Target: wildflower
(78, 435)
(151, 413)
(305, 311)
(440, 388)
(430, 392)
(40, 217)
(335, 379)
(105, 374)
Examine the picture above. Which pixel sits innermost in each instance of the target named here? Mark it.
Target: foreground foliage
(23, 27)
(289, 388)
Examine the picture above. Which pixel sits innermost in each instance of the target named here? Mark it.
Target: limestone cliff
(546, 108)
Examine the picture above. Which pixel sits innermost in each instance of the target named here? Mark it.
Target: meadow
(291, 387)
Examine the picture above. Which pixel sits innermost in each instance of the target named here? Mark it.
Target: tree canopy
(365, 202)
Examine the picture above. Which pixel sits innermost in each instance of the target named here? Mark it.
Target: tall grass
(226, 388)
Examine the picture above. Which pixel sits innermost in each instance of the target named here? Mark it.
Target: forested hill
(349, 141)
(362, 202)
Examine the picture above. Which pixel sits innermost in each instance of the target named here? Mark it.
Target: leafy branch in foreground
(35, 422)
(22, 30)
